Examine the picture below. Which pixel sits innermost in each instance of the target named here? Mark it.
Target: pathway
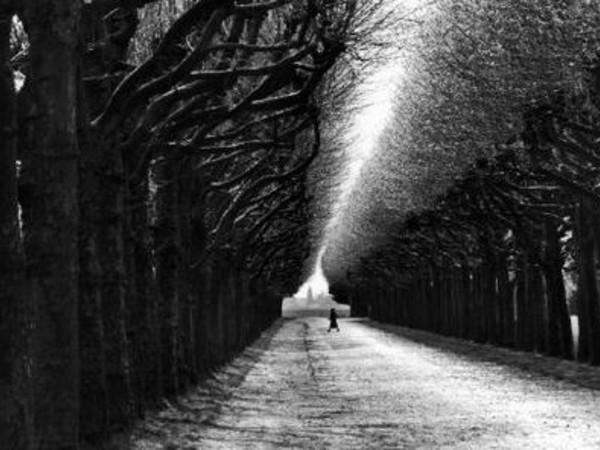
(379, 387)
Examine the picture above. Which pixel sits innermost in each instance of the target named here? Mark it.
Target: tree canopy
(470, 73)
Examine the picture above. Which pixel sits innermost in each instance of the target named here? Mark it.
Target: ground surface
(381, 387)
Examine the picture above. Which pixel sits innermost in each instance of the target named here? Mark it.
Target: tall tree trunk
(490, 299)
(14, 407)
(134, 322)
(467, 323)
(198, 274)
(524, 334)
(107, 363)
(505, 298)
(423, 306)
(207, 317)
(51, 217)
(114, 278)
(144, 310)
(94, 394)
(560, 337)
(479, 302)
(212, 317)
(537, 300)
(188, 311)
(223, 300)
(168, 270)
(589, 307)
(94, 419)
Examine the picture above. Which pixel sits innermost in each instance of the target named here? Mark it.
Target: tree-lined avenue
(378, 387)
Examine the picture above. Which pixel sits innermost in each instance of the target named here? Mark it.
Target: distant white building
(312, 306)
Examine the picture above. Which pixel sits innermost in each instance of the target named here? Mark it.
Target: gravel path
(380, 387)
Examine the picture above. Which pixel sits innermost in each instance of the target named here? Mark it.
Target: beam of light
(317, 281)
(366, 127)
(365, 130)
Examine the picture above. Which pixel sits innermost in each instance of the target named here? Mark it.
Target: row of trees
(153, 195)
(490, 175)
(489, 262)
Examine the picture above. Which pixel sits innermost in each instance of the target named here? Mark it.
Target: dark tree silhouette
(154, 195)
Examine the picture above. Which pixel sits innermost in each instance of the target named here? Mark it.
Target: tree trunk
(423, 306)
(134, 320)
(524, 334)
(200, 295)
(490, 299)
(51, 217)
(505, 298)
(224, 305)
(114, 278)
(214, 310)
(589, 307)
(188, 311)
(198, 273)
(94, 394)
(15, 405)
(168, 271)
(467, 322)
(94, 419)
(144, 311)
(479, 304)
(105, 388)
(105, 220)
(537, 300)
(560, 337)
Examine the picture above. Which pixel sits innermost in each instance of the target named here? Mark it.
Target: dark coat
(333, 319)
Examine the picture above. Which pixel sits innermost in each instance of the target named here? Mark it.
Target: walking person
(333, 320)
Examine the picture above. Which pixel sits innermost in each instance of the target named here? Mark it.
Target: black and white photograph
(299, 224)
